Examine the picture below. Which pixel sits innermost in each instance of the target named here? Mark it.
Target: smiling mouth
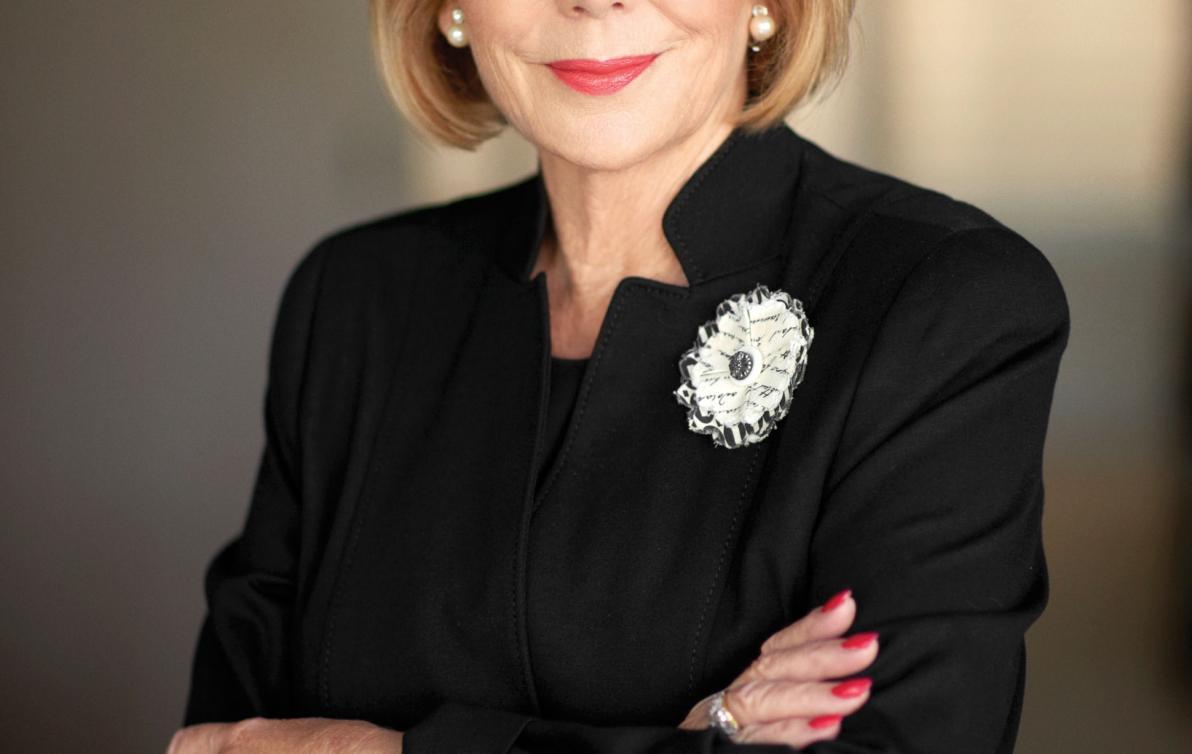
(601, 77)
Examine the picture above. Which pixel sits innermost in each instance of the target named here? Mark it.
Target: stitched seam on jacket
(843, 243)
(682, 200)
(519, 622)
(589, 378)
(725, 547)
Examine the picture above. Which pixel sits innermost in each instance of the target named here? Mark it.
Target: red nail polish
(859, 641)
(837, 600)
(852, 687)
(825, 721)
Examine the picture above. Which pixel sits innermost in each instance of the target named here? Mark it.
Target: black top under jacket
(399, 562)
(563, 385)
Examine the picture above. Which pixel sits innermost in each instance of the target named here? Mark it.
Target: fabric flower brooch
(739, 378)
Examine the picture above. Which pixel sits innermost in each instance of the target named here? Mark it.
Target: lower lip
(608, 77)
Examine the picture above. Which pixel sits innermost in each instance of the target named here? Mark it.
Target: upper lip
(587, 65)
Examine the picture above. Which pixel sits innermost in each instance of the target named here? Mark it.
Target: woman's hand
(306, 735)
(786, 696)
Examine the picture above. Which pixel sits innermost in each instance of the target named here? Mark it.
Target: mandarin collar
(731, 213)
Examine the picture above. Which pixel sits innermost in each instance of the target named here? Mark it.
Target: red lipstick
(601, 76)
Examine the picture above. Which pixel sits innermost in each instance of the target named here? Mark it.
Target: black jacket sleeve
(932, 515)
(469, 729)
(240, 668)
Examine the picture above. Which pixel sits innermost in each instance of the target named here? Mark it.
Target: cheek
(493, 31)
(510, 84)
(710, 68)
(498, 46)
(716, 31)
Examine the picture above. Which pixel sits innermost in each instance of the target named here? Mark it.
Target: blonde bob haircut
(437, 87)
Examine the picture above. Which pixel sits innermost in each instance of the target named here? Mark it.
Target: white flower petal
(767, 318)
(725, 344)
(734, 329)
(711, 368)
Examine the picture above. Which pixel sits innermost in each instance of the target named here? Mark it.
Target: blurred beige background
(164, 165)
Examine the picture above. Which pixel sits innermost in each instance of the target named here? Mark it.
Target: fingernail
(825, 721)
(851, 688)
(859, 641)
(837, 600)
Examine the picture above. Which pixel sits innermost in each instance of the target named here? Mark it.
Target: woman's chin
(604, 141)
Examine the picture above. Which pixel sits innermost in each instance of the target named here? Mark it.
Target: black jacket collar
(730, 214)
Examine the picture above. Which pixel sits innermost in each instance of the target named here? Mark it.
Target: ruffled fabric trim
(738, 379)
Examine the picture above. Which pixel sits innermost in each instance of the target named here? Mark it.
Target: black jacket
(397, 564)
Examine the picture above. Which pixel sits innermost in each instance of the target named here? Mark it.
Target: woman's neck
(606, 225)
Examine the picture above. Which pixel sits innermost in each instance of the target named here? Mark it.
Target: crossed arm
(793, 694)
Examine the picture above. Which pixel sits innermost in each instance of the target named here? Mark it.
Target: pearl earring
(456, 36)
(761, 26)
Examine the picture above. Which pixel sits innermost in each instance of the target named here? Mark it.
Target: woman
(698, 406)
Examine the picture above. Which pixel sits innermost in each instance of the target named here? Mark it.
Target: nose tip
(595, 8)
